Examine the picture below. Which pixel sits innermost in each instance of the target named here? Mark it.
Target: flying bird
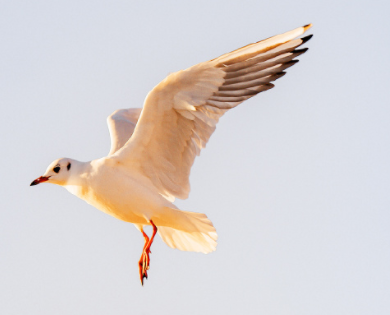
(153, 148)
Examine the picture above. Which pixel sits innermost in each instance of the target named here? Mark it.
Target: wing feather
(180, 113)
(121, 125)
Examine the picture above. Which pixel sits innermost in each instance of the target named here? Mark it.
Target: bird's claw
(144, 261)
(144, 265)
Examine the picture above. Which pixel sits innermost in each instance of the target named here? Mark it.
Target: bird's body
(153, 149)
(116, 190)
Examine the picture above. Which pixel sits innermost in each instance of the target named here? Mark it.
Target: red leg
(146, 237)
(144, 261)
(143, 274)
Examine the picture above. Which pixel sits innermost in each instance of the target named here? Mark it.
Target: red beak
(39, 180)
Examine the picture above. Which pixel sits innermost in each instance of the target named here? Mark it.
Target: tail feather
(200, 237)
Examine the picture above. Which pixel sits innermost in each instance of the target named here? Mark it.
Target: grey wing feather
(121, 125)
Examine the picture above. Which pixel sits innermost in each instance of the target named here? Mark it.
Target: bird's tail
(190, 231)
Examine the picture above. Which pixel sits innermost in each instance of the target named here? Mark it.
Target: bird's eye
(56, 169)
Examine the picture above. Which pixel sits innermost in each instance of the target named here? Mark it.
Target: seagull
(154, 147)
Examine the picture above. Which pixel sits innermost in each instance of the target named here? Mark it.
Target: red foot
(144, 266)
(144, 261)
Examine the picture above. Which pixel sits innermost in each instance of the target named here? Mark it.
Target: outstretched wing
(121, 125)
(181, 112)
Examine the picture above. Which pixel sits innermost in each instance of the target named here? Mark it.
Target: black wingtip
(292, 62)
(267, 86)
(308, 25)
(278, 75)
(301, 51)
(306, 38)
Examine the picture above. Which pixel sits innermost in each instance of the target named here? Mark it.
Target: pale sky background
(296, 180)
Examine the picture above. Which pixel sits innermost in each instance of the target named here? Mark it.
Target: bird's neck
(77, 181)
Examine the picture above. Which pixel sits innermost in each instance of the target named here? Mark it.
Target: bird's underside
(160, 141)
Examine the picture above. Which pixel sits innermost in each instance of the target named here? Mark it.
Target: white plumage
(153, 149)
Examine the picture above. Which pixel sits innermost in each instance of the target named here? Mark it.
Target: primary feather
(181, 112)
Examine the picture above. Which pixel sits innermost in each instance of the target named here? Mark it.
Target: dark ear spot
(68, 166)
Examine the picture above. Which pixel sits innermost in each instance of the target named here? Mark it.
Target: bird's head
(58, 172)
